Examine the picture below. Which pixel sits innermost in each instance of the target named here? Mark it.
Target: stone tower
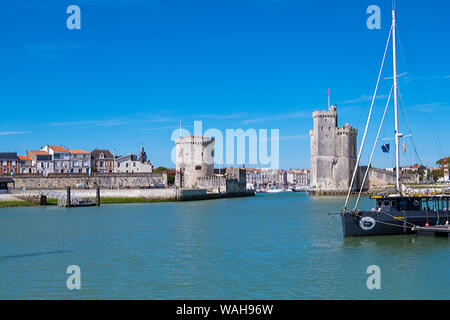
(195, 159)
(333, 152)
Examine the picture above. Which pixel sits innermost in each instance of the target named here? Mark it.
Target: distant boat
(397, 213)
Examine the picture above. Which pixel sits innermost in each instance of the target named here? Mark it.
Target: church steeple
(142, 155)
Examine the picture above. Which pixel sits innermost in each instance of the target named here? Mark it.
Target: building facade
(9, 163)
(102, 161)
(41, 162)
(298, 177)
(60, 158)
(25, 164)
(133, 163)
(80, 161)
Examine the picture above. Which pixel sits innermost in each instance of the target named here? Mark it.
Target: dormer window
(102, 156)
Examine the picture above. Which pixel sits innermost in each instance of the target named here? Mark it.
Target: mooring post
(68, 202)
(98, 196)
(42, 200)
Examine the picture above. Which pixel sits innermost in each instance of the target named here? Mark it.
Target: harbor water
(271, 246)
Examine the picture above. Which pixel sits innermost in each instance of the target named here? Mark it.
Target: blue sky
(137, 67)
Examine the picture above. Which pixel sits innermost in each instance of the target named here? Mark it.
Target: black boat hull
(375, 222)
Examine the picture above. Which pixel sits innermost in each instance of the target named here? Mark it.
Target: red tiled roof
(24, 158)
(79, 152)
(39, 152)
(56, 148)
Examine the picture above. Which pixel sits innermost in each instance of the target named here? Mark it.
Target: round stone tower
(195, 158)
(333, 152)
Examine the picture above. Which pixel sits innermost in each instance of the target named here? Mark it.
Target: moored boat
(397, 213)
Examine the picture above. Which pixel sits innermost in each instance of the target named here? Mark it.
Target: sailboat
(397, 213)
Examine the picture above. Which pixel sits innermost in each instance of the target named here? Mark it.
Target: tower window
(198, 167)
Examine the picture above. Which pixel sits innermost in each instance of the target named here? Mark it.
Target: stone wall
(212, 184)
(234, 181)
(379, 177)
(104, 180)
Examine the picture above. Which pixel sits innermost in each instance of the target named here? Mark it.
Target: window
(126, 166)
(198, 168)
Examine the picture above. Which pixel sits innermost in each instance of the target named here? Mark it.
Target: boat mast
(397, 134)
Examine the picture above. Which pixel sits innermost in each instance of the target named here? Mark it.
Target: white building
(41, 162)
(60, 158)
(133, 163)
(80, 161)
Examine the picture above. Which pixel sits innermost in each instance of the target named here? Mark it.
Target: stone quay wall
(166, 194)
(104, 180)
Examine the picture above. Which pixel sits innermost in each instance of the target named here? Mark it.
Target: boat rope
(367, 123)
(393, 217)
(373, 149)
(394, 225)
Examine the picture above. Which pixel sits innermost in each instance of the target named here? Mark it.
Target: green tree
(435, 175)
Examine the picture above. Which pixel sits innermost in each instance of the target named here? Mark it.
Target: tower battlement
(346, 130)
(194, 139)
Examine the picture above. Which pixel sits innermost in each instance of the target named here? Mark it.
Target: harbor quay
(109, 196)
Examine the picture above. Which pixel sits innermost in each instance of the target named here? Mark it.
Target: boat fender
(427, 224)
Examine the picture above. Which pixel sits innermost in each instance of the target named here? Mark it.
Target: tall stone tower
(333, 152)
(195, 159)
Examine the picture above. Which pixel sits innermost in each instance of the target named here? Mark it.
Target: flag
(385, 148)
(404, 147)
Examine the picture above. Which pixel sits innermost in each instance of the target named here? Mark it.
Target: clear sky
(138, 67)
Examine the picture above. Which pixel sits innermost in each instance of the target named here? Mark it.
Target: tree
(435, 175)
(170, 176)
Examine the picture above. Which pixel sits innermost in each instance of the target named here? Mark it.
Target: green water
(271, 246)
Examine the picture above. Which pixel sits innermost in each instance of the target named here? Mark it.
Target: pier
(438, 231)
